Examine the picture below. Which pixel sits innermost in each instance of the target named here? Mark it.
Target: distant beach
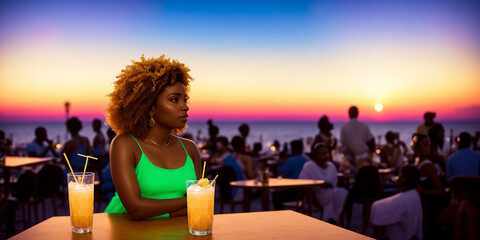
(265, 132)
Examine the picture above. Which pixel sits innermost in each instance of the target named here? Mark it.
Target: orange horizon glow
(407, 57)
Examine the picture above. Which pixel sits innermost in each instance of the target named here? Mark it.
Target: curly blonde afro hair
(136, 89)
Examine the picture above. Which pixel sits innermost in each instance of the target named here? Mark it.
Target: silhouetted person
(465, 162)
(41, 146)
(400, 216)
(291, 169)
(111, 135)
(294, 164)
(438, 154)
(5, 145)
(329, 196)
(431, 188)
(77, 145)
(98, 149)
(223, 150)
(325, 135)
(476, 144)
(357, 139)
(392, 152)
(244, 130)
(240, 162)
(428, 122)
(99, 141)
(212, 133)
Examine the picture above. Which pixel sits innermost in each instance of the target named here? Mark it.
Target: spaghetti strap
(137, 143)
(183, 146)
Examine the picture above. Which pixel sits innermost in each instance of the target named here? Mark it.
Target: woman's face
(170, 109)
(321, 155)
(423, 148)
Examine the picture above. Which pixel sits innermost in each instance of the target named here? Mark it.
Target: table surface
(13, 162)
(257, 225)
(277, 183)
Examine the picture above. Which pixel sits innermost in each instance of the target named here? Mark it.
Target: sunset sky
(251, 60)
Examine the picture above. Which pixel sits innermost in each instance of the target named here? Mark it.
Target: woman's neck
(159, 135)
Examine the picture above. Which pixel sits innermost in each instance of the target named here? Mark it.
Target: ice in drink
(200, 201)
(80, 198)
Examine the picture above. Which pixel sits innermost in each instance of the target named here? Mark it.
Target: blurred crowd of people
(43, 146)
(420, 206)
(418, 203)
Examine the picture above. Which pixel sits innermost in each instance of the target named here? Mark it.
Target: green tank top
(156, 182)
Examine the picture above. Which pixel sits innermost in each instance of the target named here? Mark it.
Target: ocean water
(264, 132)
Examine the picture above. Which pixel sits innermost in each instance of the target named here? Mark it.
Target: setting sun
(378, 107)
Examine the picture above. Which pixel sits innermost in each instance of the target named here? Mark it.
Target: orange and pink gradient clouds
(250, 61)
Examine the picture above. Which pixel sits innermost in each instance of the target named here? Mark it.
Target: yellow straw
(204, 163)
(86, 162)
(81, 155)
(66, 158)
(211, 183)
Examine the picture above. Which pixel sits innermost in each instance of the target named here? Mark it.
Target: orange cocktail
(80, 198)
(200, 202)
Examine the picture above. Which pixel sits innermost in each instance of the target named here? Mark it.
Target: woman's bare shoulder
(123, 140)
(189, 144)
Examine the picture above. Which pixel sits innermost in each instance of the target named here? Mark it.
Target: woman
(222, 150)
(431, 189)
(150, 165)
(241, 163)
(77, 145)
(329, 196)
(431, 184)
(325, 135)
(99, 141)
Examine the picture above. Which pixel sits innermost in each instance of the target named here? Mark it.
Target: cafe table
(285, 224)
(11, 163)
(277, 183)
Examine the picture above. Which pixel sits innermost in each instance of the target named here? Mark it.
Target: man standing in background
(425, 126)
(357, 139)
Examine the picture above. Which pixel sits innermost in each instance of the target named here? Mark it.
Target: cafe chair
(459, 221)
(300, 204)
(22, 196)
(225, 176)
(366, 189)
(49, 178)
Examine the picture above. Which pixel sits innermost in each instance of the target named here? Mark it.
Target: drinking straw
(81, 155)
(66, 158)
(211, 183)
(86, 162)
(204, 163)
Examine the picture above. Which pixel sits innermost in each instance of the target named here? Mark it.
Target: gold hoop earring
(151, 121)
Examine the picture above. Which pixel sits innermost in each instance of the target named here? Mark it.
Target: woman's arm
(122, 164)
(248, 166)
(430, 171)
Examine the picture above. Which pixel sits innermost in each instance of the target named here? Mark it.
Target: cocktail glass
(80, 198)
(200, 202)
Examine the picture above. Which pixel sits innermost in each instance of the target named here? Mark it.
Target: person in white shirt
(329, 196)
(399, 217)
(357, 139)
(41, 146)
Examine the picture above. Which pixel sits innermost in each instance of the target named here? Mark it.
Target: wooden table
(10, 164)
(278, 183)
(17, 162)
(257, 225)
